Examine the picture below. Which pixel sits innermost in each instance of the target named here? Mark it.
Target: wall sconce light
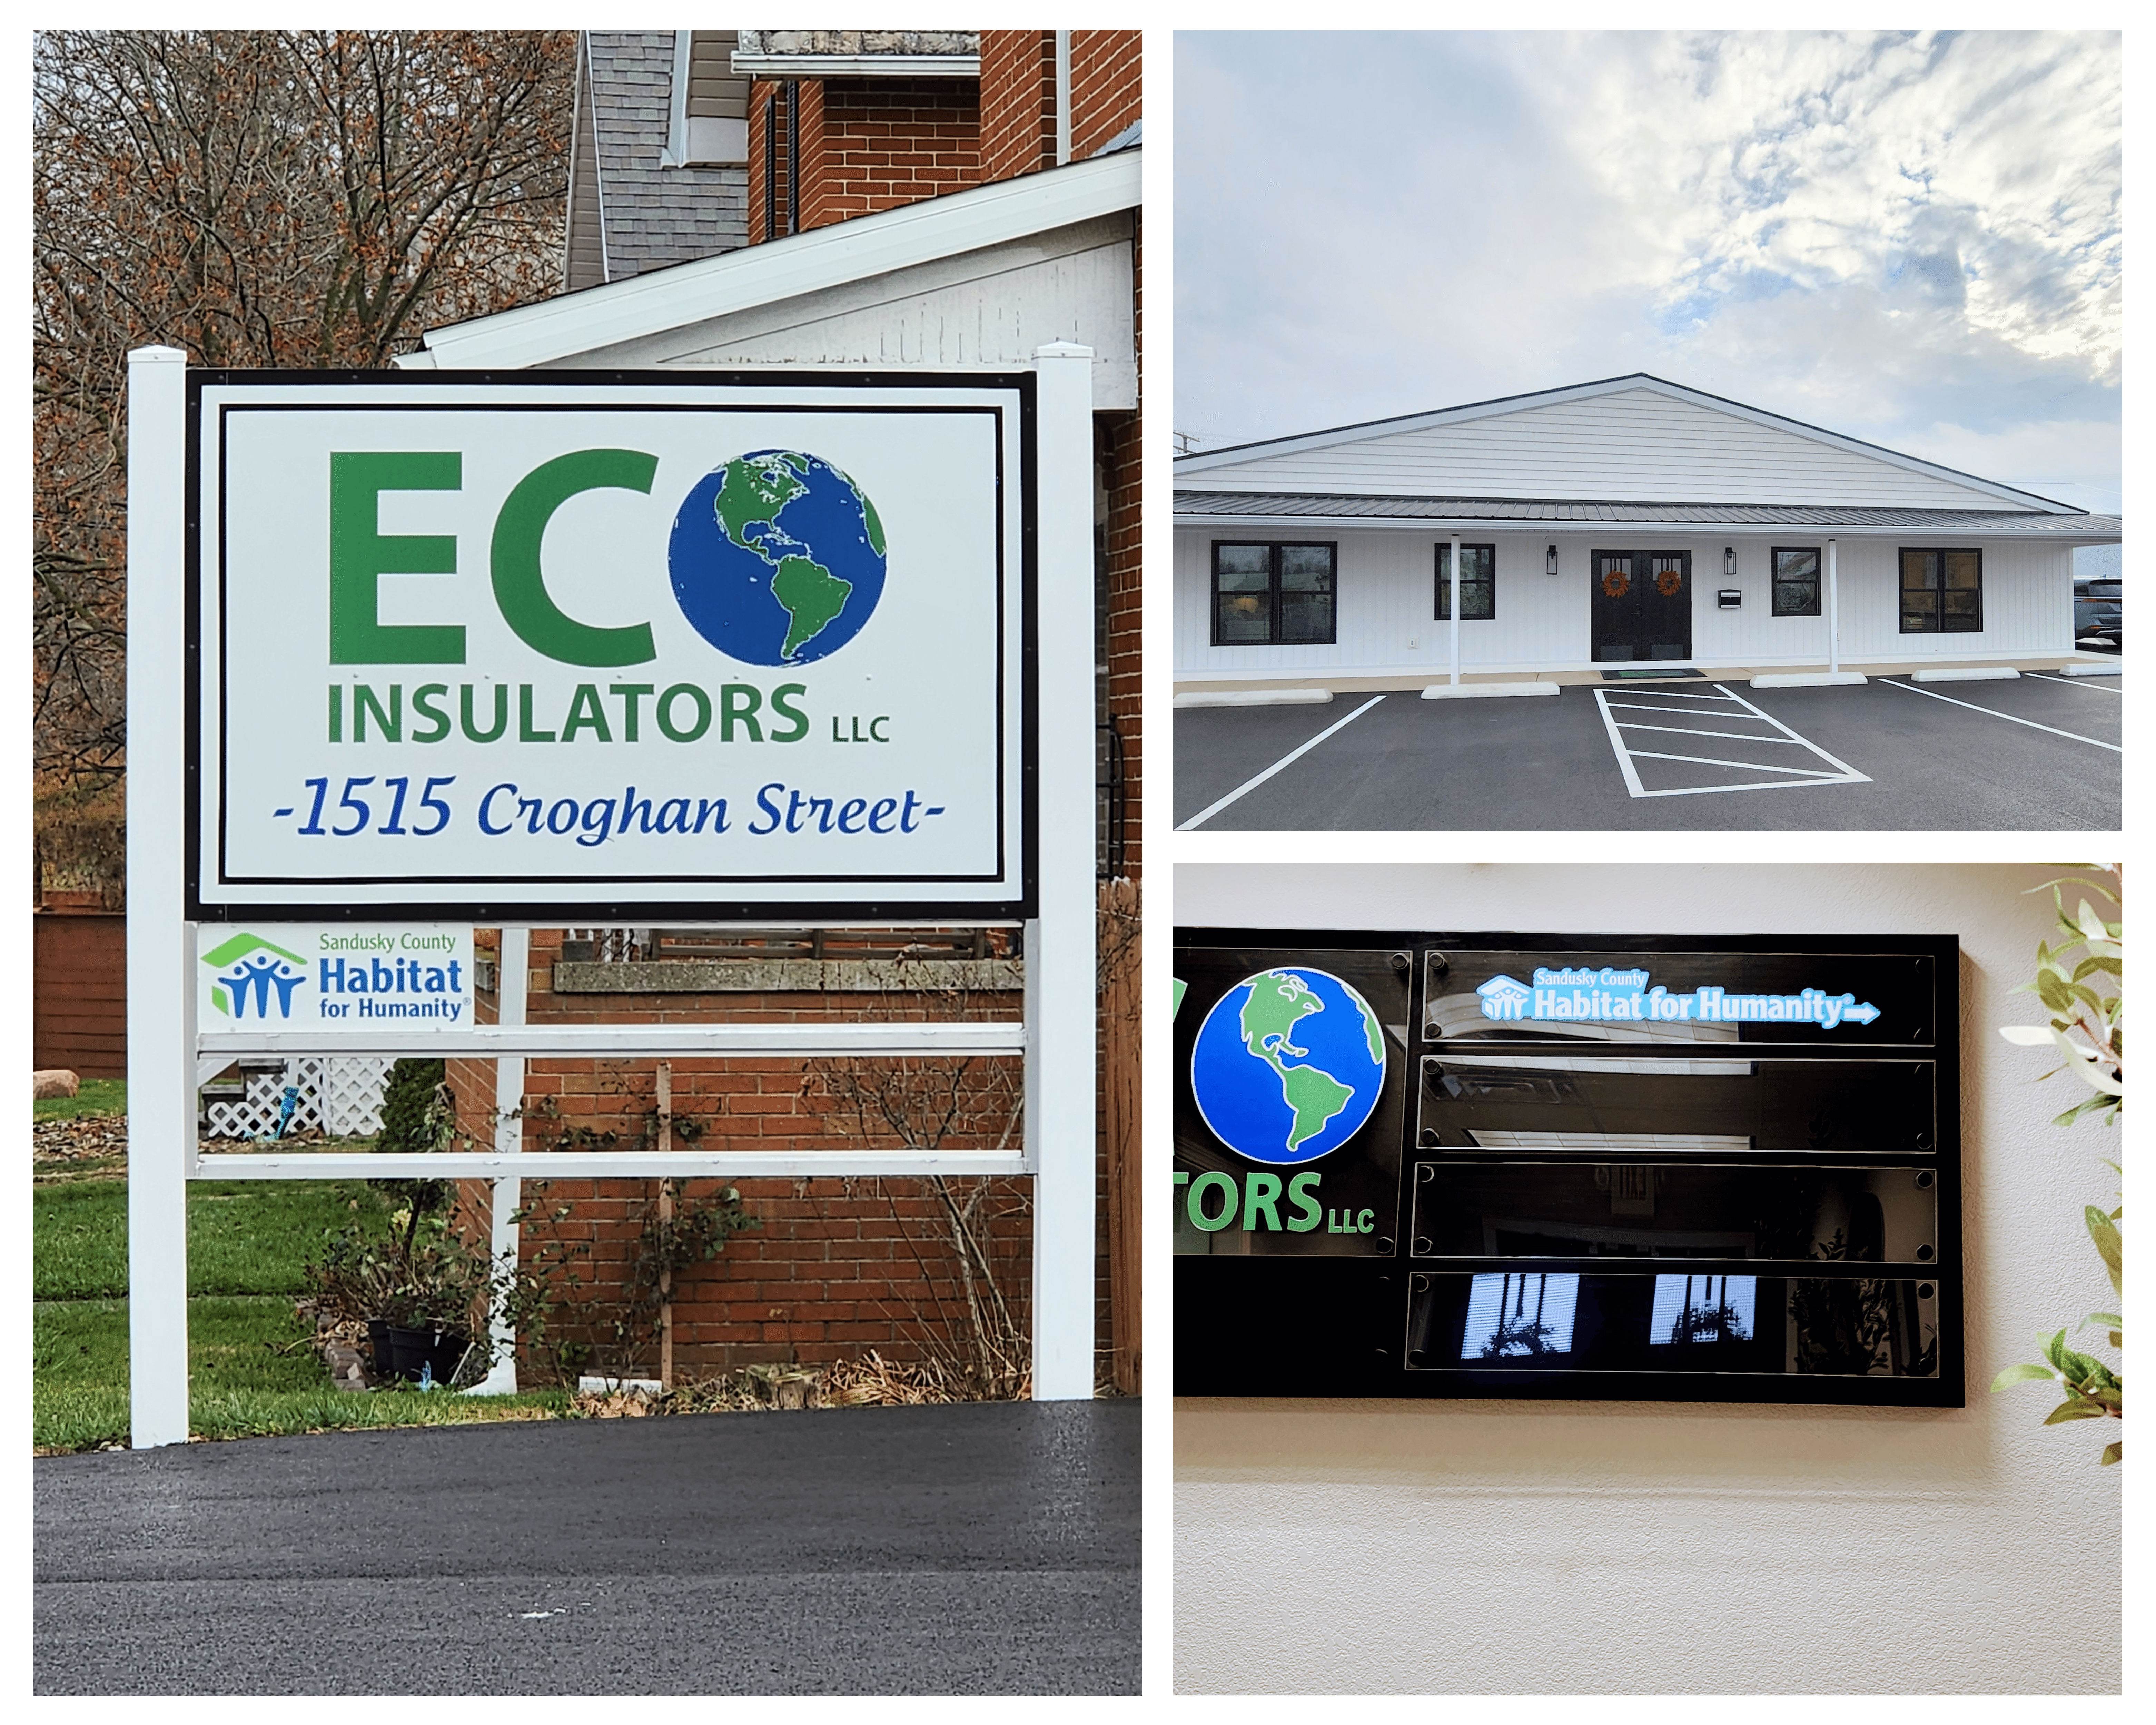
(1553, 560)
(1729, 561)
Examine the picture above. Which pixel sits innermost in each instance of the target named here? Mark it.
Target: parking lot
(2040, 753)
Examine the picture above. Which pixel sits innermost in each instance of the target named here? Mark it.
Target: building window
(1796, 581)
(1942, 592)
(1478, 583)
(1272, 594)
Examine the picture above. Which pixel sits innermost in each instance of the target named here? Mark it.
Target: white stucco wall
(1492, 1547)
(1386, 591)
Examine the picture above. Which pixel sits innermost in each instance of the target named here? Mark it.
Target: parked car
(2098, 613)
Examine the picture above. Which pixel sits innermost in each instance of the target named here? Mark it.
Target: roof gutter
(2071, 529)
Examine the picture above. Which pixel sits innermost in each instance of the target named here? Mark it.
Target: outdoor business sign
(1475, 1164)
(557, 642)
(298, 975)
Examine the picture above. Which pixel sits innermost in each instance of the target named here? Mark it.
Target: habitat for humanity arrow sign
(1612, 996)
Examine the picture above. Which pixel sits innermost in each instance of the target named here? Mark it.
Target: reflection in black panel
(1677, 996)
(1831, 1213)
(1634, 1321)
(1626, 1100)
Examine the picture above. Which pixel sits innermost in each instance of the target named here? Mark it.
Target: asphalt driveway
(2038, 754)
(979, 1548)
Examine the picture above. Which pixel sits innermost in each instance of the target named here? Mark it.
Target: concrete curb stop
(1256, 697)
(1451, 691)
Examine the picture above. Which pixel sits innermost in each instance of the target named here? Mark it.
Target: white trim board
(664, 300)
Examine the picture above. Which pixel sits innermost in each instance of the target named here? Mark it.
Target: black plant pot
(406, 1354)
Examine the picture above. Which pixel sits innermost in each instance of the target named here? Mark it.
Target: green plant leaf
(2112, 1452)
(2108, 1245)
(2076, 1409)
(2109, 1320)
(2020, 1375)
(2027, 1036)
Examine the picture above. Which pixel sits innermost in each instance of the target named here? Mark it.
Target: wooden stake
(665, 1215)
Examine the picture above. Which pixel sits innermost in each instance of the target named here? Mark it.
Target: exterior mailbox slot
(1729, 598)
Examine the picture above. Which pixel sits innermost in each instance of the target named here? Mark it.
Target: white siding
(992, 307)
(1388, 592)
(1386, 595)
(1634, 445)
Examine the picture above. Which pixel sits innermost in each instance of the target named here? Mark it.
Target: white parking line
(1244, 789)
(2011, 718)
(2075, 683)
(1791, 778)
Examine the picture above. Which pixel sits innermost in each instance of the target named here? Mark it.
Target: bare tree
(975, 1323)
(301, 199)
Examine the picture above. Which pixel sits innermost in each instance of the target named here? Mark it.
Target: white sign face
(298, 975)
(541, 642)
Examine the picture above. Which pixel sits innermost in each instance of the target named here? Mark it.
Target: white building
(1616, 522)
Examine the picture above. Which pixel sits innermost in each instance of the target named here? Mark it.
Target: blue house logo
(1504, 998)
(254, 974)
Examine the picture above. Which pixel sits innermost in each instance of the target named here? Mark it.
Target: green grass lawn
(252, 1372)
(98, 1095)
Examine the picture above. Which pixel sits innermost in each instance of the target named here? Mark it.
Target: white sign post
(542, 649)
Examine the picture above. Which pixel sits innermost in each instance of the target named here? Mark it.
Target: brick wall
(1018, 102)
(838, 1266)
(887, 141)
(1105, 86)
(870, 144)
(867, 144)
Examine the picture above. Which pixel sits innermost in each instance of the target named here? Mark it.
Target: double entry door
(1642, 605)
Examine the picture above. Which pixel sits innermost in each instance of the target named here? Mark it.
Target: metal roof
(1205, 505)
(1197, 461)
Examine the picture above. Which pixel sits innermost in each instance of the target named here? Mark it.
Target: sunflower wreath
(1616, 583)
(1670, 583)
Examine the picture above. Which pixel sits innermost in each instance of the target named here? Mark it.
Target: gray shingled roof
(655, 217)
(1291, 505)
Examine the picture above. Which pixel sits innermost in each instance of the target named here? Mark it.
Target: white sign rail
(810, 1040)
(545, 649)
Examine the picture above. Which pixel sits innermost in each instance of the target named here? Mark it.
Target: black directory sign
(1472, 1164)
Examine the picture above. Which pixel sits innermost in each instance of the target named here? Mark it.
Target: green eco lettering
(520, 585)
(361, 554)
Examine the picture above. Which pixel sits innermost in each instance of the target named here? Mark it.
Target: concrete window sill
(843, 976)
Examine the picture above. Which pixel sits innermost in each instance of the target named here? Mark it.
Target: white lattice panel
(340, 1096)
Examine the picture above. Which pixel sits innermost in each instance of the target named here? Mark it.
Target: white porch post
(1833, 615)
(1060, 941)
(509, 985)
(1452, 607)
(161, 1052)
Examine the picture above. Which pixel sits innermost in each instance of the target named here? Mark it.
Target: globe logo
(776, 558)
(1288, 1065)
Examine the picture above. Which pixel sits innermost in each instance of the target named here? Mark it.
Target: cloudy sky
(1913, 239)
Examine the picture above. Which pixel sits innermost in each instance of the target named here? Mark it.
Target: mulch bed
(59, 1147)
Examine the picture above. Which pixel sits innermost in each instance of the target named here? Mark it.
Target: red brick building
(941, 199)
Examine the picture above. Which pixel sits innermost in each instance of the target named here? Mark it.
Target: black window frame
(1440, 609)
(1273, 548)
(1775, 579)
(1939, 623)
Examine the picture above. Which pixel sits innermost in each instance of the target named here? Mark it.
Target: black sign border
(1217, 1299)
(593, 908)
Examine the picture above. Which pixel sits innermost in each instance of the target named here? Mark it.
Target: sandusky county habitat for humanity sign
(297, 975)
(521, 642)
